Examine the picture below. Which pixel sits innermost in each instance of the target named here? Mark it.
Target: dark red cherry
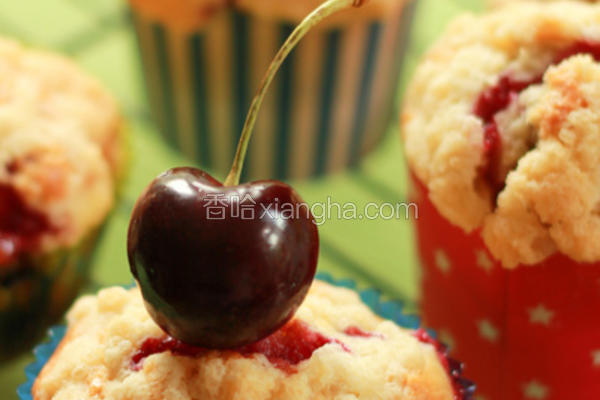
(221, 267)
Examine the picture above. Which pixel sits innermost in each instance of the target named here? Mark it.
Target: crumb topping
(106, 330)
(477, 124)
(59, 150)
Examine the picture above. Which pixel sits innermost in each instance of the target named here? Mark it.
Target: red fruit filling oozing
(497, 98)
(286, 348)
(463, 388)
(357, 332)
(20, 226)
(296, 342)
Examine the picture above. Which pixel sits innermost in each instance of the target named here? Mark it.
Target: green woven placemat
(97, 34)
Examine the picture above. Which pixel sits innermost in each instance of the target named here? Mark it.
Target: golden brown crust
(550, 199)
(93, 361)
(501, 3)
(554, 193)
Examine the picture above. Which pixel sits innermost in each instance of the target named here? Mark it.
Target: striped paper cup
(331, 102)
(527, 333)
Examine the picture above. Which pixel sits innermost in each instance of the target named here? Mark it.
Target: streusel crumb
(61, 145)
(105, 331)
(542, 194)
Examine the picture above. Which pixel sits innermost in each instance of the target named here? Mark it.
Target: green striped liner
(36, 292)
(331, 102)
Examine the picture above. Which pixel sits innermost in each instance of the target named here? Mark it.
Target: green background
(97, 34)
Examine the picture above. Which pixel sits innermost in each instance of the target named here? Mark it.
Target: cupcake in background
(61, 153)
(333, 100)
(501, 130)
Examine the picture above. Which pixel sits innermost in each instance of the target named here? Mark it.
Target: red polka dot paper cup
(329, 105)
(528, 333)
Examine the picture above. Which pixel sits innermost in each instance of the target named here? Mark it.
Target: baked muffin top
(60, 151)
(501, 124)
(334, 348)
(499, 3)
(188, 15)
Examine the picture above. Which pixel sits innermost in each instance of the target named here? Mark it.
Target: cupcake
(335, 347)
(60, 154)
(500, 130)
(204, 59)
(497, 3)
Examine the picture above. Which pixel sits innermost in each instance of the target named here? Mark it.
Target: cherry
(225, 265)
(221, 267)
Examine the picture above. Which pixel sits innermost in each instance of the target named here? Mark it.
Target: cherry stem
(322, 12)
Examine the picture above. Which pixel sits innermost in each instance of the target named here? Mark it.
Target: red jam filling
(357, 332)
(497, 98)
(286, 348)
(463, 388)
(20, 227)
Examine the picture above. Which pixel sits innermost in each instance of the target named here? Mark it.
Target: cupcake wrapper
(392, 310)
(330, 103)
(528, 333)
(38, 291)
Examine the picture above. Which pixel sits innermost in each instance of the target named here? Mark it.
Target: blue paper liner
(392, 310)
(42, 354)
